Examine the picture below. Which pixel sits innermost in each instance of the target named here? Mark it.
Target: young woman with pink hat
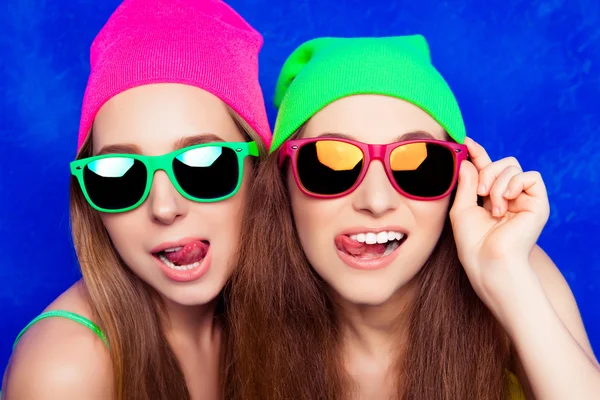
(172, 125)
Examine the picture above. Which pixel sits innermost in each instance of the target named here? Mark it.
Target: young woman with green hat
(369, 266)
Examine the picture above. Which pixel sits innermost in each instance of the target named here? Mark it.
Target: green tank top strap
(68, 315)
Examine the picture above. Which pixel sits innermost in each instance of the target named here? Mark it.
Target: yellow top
(515, 391)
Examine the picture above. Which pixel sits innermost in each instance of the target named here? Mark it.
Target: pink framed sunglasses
(328, 168)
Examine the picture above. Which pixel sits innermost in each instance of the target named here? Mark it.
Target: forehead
(373, 119)
(154, 117)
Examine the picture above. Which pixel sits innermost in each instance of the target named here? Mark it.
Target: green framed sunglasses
(203, 173)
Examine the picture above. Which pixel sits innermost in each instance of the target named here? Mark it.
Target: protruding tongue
(358, 249)
(189, 254)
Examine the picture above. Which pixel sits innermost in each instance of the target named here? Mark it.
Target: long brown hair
(129, 311)
(285, 335)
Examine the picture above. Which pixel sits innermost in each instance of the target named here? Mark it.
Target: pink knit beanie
(202, 43)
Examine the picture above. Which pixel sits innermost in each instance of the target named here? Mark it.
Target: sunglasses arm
(253, 149)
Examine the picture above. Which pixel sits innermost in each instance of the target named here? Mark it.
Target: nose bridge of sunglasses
(374, 152)
(160, 163)
(377, 151)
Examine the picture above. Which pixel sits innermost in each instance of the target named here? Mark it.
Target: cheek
(125, 231)
(307, 211)
(231, 212)
(430, 217)
(316, 221)
(227, 217)
(222, 222)
(247, 178)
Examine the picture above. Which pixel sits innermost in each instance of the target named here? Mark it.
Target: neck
(197, 324)
(376, 330)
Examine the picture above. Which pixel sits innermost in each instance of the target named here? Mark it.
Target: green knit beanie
(324, 70)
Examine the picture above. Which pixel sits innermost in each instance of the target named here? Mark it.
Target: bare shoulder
(561, 297)
(74, 299)
(60, 359)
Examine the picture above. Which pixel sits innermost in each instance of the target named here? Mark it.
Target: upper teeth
(381, 237)
(173, 249)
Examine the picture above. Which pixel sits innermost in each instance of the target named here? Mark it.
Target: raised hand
(494, 239)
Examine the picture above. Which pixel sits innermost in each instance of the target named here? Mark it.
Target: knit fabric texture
(324, 70)
(202, 43)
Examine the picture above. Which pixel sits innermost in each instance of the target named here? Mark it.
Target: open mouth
(184, 258)
(369, 246)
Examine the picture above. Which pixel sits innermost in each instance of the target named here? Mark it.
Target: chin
(370, 299)
(193, 295)
(360, 293)
(374, 288)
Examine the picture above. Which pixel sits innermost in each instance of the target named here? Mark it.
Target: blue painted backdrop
(526, 73)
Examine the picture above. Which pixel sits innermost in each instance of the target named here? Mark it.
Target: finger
(527, 204)
(479, 157)
(529, 215)
(530, 183)
(466, 191)
(527, 194)
(487, 204)
(489, 174)
(499, 203)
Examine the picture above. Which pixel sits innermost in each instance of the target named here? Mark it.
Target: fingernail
(496, 211)
(481, 189)
(506, 193)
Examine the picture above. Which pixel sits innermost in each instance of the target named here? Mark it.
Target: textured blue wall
(526, 73)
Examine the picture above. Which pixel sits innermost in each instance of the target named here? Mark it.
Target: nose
(375, 196)
(166, 204)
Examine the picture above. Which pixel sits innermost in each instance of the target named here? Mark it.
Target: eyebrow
(119, 149)
(197, 139)
(400, 138)
(187, 141)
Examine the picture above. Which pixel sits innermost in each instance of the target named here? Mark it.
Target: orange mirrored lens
(408, 157)
(339, 156)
